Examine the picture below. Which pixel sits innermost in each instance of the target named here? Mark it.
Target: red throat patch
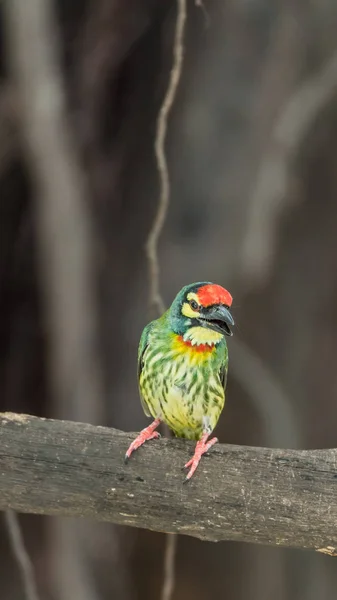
(196, 347)
(214, 294)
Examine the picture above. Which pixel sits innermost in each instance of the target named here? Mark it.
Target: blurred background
(252, 153)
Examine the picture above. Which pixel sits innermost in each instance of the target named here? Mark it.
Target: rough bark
(268, 496)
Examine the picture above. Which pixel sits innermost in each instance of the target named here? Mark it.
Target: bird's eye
(194, 305)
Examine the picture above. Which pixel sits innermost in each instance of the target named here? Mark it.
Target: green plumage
(182, 382)
(182, 367)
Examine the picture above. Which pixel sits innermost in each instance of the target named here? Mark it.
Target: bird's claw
(185, 466)
(144, 436)
(202, 448)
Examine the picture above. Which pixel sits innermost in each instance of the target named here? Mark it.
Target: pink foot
(200, 449)
(146, 434)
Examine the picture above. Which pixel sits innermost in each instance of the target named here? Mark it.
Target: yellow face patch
(187, 311)
(193, 296)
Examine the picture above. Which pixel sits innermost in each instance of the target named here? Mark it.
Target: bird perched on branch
(182, 367)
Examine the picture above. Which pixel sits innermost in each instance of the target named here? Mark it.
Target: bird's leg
(202, 446)
(146, 434)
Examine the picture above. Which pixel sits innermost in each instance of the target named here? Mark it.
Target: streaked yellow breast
(181, 387)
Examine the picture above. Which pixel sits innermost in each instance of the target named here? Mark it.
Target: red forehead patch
(214, 294)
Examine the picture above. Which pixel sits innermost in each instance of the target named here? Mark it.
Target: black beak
(218, 318)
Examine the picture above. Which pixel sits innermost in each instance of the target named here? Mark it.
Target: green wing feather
(143, 344)
(223, 371)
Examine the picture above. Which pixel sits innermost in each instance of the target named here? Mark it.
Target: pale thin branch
(271, 193)
(64, 235)
(274, 406)
(169, 566)
(64, 229)
(155, 298)
(21, 555)
(160, 139)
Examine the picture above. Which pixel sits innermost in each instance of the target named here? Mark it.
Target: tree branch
(267, 496)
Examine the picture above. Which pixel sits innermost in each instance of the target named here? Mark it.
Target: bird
(182, 367)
